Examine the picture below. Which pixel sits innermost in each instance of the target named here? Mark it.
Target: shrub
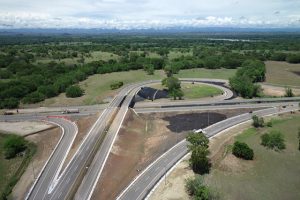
(273, 140)
(74, 91)
(289, 92)
(196, 188)
(13, 145)
(269, 124)
(242, 150)
(116, 85)
(257, 121)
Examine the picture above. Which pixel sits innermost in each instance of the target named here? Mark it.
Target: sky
(145, 14)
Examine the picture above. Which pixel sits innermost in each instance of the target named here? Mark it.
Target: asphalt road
(144, 183)
(89, 182)
(209, 107)
(52, 168)
(84, 169)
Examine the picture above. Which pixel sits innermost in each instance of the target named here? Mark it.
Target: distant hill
(211, 30)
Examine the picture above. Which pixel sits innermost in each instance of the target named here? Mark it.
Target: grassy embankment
(12, 169)
(97, 87)
(271, 175)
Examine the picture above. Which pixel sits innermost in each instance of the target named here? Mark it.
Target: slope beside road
(145, 182)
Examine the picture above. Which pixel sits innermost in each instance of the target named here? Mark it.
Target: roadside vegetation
(15, 156)
(200, 164)
(198, 190)
(258, 121)
(242, 150)
(33, 69)
(199, 161)
(273, 140)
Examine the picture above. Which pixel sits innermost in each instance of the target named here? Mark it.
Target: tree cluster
(13, 145)
(251, 72)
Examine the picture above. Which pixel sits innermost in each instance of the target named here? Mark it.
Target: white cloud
(126, 14)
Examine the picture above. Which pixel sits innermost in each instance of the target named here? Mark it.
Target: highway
(144, 183)
(88, 162)
(80, 176)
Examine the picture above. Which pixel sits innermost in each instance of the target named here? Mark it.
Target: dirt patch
(173, 186)
(46, 142)
(84, 125)
(277, 91)
(140, 141)
(23, 128)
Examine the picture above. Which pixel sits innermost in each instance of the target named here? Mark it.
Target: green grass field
(271, 175)
(196, 91)
(282, 73)
(97, 87)
(206, 73)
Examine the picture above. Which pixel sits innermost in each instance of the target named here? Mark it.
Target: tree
(257, 121)
(199, 160)
(197, 139)
(242, 150)
(13, 145)
(173, 85)
(289, 92)
(273, 140)
(149, 68)
(74, 91)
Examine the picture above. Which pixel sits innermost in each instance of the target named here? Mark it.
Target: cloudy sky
(132, 14)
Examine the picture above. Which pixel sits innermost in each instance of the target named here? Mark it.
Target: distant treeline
(24, 79)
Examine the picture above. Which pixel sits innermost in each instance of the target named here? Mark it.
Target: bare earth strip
(23, 128)
(141, 140)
